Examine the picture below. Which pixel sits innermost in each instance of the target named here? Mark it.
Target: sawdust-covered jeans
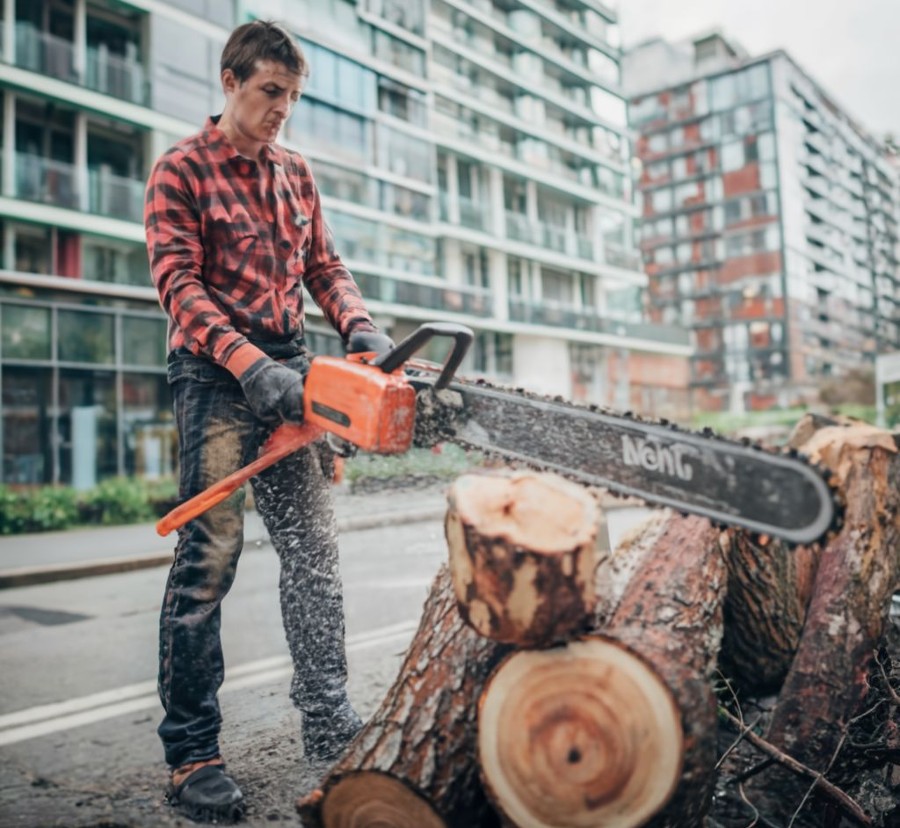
(219, 434)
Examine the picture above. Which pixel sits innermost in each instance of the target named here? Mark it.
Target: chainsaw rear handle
(399, 354)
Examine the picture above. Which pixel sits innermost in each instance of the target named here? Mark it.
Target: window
(661, 199)
(86, 337)
(26, 332)
(732, 156)
(144, 341)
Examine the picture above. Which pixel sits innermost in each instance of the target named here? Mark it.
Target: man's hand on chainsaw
(360, 342)
(273, 391)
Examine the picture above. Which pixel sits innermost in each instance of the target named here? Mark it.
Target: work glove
(273, 391)
(360, 342)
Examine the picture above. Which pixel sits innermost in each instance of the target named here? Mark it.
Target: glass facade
(474, 165)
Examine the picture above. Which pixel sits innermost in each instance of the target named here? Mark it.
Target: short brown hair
(261, 40)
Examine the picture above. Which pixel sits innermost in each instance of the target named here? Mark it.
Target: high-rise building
(474, 165)
(768, 225)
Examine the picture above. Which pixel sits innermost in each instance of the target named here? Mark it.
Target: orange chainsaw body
(374, 410)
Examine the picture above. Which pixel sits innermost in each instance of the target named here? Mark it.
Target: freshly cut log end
(524, 551)
(369, 799)
(578, 736)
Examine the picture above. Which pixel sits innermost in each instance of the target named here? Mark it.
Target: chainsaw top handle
(462, 336)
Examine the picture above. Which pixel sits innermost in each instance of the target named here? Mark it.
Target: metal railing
(474, 216)
(115, 195)
(117, 76)
(47, 181)
(45, 53)
(561, 316)
(453, 298)
(104, 72)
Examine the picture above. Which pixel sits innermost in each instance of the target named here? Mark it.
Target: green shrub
(39, 510)
(119, 500)
(53, 508)
(415, 464)
(13, 512)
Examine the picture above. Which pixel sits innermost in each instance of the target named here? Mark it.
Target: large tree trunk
(608, 729)
(857, 573)
(412, 764)
(524, 548)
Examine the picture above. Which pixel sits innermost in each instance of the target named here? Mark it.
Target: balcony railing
(560, 316)
(555, 238)
(47, 181)
(474, 216)
(105, 72)
(115, 195)
(57, 183)
(619, 257)
(454, 298)
(117, 76)
(44, 53)
(519, 228)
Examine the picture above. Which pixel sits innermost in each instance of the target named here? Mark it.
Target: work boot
(203, 792)
(327, 733)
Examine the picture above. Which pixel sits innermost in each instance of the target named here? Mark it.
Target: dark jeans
(218, 434)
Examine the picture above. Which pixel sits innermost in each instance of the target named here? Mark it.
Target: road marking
(52, 718)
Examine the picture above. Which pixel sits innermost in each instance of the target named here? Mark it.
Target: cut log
(606, 730)
(412, 765)
(524, 551)
(857, 573)
(584, 734)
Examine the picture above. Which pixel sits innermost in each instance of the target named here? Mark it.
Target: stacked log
(556, 682)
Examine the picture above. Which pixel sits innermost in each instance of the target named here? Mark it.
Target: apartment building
(768, 223)
(474, 165)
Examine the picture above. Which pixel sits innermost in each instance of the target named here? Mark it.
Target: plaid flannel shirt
(231, 246)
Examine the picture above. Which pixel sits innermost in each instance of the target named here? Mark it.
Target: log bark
(524, 549)
(769, 588)
(412, 765)
(857, 573)
(608, 729)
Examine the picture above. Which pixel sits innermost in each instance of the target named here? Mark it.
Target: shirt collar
(219, 144)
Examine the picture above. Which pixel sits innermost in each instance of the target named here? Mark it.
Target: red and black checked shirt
(229, 254)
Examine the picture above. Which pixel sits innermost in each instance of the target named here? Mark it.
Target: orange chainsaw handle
(285, 440)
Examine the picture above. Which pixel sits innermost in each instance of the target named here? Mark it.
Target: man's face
(260, 105)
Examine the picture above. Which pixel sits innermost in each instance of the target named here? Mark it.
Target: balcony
(561, 316)
(474, 216)
(58, 183)
(453, 298)
(45, 53)
(519, 228)
(117, 76)
(46, 181)
(105, 72)
(114, 195)
(620, 257)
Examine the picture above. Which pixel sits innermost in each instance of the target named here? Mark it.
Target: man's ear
(229, 81)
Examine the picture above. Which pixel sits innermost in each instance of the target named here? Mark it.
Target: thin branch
(850, 806)
(895, 697)
(819, 776)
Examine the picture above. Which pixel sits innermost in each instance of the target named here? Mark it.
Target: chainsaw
(386, 403)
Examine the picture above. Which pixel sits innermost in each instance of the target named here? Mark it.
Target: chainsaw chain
(440, 413)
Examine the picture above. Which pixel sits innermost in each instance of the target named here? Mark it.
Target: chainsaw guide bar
(732, 483)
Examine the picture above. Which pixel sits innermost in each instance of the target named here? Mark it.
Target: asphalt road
(78, 705)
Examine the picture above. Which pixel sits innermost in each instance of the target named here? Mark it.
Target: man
(234, 230)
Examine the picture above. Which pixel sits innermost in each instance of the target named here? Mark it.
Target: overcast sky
(850, 47)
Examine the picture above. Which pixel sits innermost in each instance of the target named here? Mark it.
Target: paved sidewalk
(87, 551)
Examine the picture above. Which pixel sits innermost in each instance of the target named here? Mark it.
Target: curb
(50, 573)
